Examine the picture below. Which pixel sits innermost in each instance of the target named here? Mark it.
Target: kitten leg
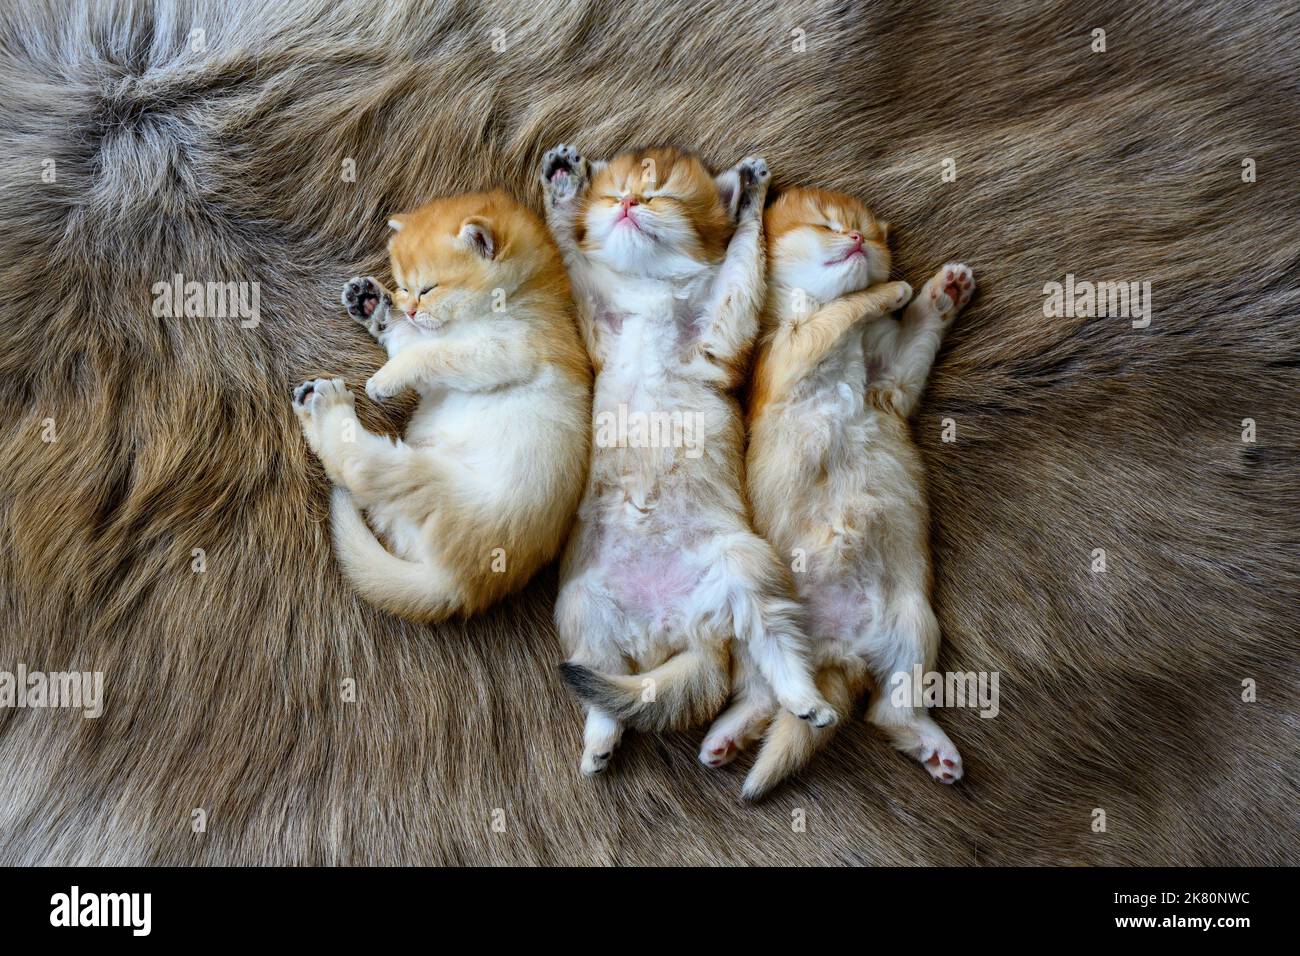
(585, 620)
(921, 333)
(565, 175)
(745, 720)
(354, 459)
(476, 366)
(802, 345)
(908, 636)
(766, 618)
(368, 302)
(601, 735)
(737, 295)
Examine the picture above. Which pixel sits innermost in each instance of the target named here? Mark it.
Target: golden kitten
(663, 568)
(480, 492)
(834, 479)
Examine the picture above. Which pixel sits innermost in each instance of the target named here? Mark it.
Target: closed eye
(428, 288)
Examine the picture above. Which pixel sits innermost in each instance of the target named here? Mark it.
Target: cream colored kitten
(662, 568)
(834, 479)
(480, 492)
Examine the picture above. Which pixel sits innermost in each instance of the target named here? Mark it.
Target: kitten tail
(791, 742)
(410, 589)
(687, 689)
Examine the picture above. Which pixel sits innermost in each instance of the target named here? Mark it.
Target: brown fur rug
(220, 156)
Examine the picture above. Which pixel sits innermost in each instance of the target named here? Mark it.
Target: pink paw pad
(716, 756)
(944, 764)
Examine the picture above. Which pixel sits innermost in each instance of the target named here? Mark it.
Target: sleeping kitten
(834, 479)
(662, 568)
(481, 491)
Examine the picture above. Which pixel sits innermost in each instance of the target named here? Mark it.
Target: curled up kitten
(835, 480)
(480, 492)
(662, 568)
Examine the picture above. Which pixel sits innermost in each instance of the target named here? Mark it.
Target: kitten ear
(478, 234)
(396, 223)
(729, 191)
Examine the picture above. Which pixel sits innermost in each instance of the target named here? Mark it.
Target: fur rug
(222, 156)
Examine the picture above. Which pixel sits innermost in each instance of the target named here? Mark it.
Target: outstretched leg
(907, 635)
(565, 175)
(745, 719)
(587, 622)
(731, 320)
(921, 331)
(748, 581)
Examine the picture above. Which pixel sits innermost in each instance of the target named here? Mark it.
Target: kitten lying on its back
(662, 568)
(833, 474)
(480, 492)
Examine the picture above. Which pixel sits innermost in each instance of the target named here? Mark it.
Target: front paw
(754, 180)
(380, 387)
(900, 295)
(950, 290)
(366, 301)
(564, 173)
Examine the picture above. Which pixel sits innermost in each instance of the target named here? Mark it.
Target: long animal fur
(1120, 691)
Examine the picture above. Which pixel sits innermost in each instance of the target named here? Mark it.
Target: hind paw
(313, 397)
(718, 750)
(595, 763)
(942, 761)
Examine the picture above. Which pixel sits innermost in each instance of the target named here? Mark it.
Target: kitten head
(478, 242)
(826, 243)
(655, 212)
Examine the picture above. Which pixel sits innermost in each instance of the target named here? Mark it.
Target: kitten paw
(323, 392)
(817, 713)
(902, 294)
(942, 761)
(718, 750)
(595, 763)
(379, 387)
(950, 289)
(754, 180)
(564, 172)
(313, 397)
(367, 302)
(302, 393)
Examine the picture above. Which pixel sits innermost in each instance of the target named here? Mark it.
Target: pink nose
(629, 201)
(410, 313)
(856, 237)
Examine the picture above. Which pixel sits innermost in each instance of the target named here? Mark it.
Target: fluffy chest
(833, 396)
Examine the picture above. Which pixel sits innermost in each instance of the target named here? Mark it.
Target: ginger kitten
(480, 492)
(834, 479)
(663, 568)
